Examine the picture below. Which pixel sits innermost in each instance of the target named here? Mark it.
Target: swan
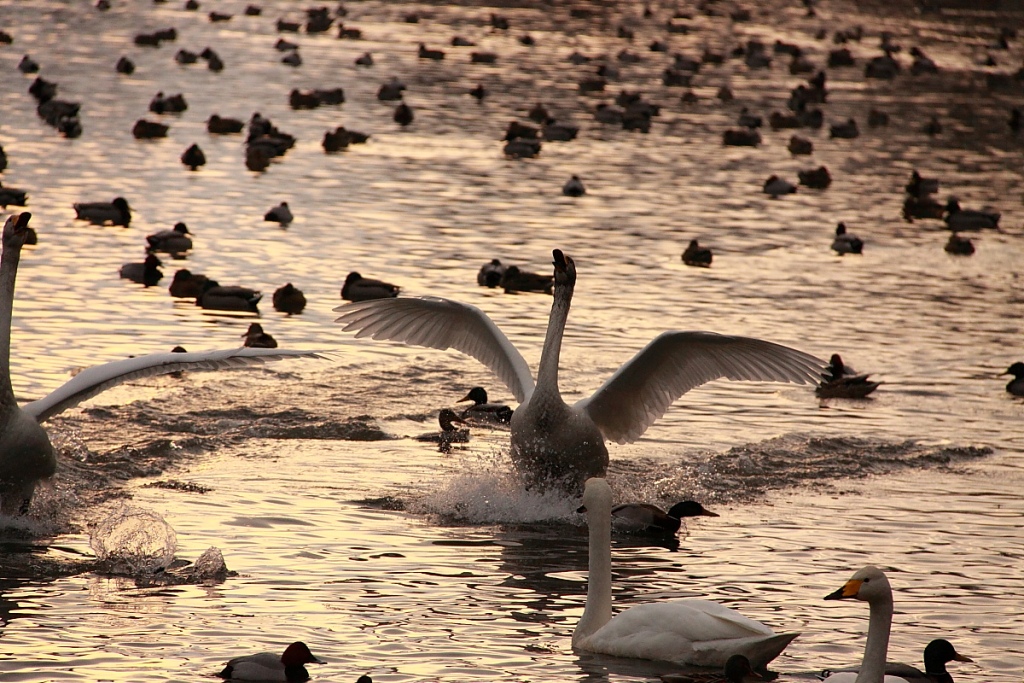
(694, 632)
(937, 654)
(644, 518)
(26, 455)
(552, 440)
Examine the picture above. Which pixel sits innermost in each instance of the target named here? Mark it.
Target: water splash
(133, 540)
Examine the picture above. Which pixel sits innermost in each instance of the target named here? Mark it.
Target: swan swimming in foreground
(551, 440)
(694, 632)
(26, 455)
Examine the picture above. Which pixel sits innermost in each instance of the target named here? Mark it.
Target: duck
(490, 273)
(173, 241)
(115, 212)
(958, 219)
(748, 120)
(479, 92)
(685, 632)
(1016, 385)
(696, 255)
(817, 178)
(846, 130)
(392, 90)
(449, 433)
(221, 125)
(538, 113)
(737, 670)
(194, 157)
(554, 131)
(958, 245)
(776, 187)
(919, 186)
(846, 242)
(800, 146)
(146, 273)
(741, 137)
(365, 59)
(403, 115)
(187, 285)
(256, 338)
(359, 288)
(280, 214)
(124, 66)
(643, 518)
(27, 65)
(937, 654)
(26, 454)
(149, 130)
(553, 442)
(12, 196)
(483, 410)
(842, 381)
(516, 279)
(293, 59)
(574, 187)
(267, 666)
(228, 298)
(289, 299)
(426, 53)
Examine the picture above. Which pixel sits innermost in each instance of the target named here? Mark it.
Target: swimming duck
(359, 288)
(392, 90)
(694, 632)
(365, 59)
(229, 298)
(479, 92)
(425, 53)
(643, 518)
(146, 273)
(968, 219)
(937, 654)
(922, 207)
(817, 179)
(696, 255)
(293, 59)
(554, 131)
(193, 157)
(27, 65)
(280, 214)
(175, 104)
(798, 146)
(538, 113)
(933, 127)
(173, 241)
(26, 455)
(267, 666)
(403, 115)
(846, 242)
(490, 274)
(289, 299)
(484, 410)
(219, 125)
(149, 130)
(748, 120)
(449, 433)
(741, 137)
(737, 670)
(776, 187)
(574, 187)
(12, 196)
(124, 66)
(256, 338)
(846, 130)
(919, 186)
(1016, 385)
(116, 212)
(961, 246)
(553, 442)
(517, 280)
(187, 285)
(841, 381)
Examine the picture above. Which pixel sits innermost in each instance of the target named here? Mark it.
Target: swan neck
(872, 669)
(598, 610)
(8, 272)
(547, 372)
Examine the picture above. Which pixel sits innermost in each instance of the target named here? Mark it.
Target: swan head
(597, 495)
(868, 584)
(565, 268)
(16, 230)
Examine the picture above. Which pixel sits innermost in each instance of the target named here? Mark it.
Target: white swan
(552, 440)
(26, 456)
(694, 632)
(871, 585)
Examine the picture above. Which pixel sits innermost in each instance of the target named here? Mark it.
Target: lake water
(392, 559)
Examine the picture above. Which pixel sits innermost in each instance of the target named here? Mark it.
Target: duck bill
(962, 658)
(708, 513)
(465, 398)
(849, 590)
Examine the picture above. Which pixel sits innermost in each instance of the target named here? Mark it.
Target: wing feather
(441, 324)
(99, 378)
(674, 362)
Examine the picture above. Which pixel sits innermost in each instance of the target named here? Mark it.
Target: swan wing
(98, 378)
(441, 324)
(674, 362)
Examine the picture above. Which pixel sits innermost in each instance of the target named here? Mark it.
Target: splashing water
(133, 540)
(210, 566)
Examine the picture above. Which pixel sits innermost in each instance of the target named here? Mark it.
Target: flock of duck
(553, 443)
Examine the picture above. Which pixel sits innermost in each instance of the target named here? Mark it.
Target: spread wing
(441, 324)
(98, 378)
(642, 390)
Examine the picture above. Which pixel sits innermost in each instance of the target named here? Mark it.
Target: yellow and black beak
(849, 590)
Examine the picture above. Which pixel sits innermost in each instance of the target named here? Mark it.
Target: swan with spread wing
(26, 455)
(553, 442)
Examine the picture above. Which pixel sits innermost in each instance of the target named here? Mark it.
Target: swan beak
(849, 590)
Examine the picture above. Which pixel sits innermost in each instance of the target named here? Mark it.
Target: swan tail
(758, 649)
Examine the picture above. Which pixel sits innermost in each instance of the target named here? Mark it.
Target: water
(294, 471)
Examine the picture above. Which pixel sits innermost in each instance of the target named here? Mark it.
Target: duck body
(517, 280)
(280, 214)
(776, 187)
(959, 219)
(256, 338)
(696, 255)
(289, 299)
(268, 666)
(116, 212)
(1016, 385)
(959, 245)
(846, 242)
(490, 274)
(842, 381)
(574, 187)
(553, 443)
(229, 298)
(173, 241)
(693, 632)
(483, 410)
(644, 518)
(359, 288)
(147, 273)
(449, 433)
(187, 285)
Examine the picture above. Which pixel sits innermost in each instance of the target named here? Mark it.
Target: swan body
(643, 518)
(694, 632)
(268, 666)
(26, 455)
(551, 440)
